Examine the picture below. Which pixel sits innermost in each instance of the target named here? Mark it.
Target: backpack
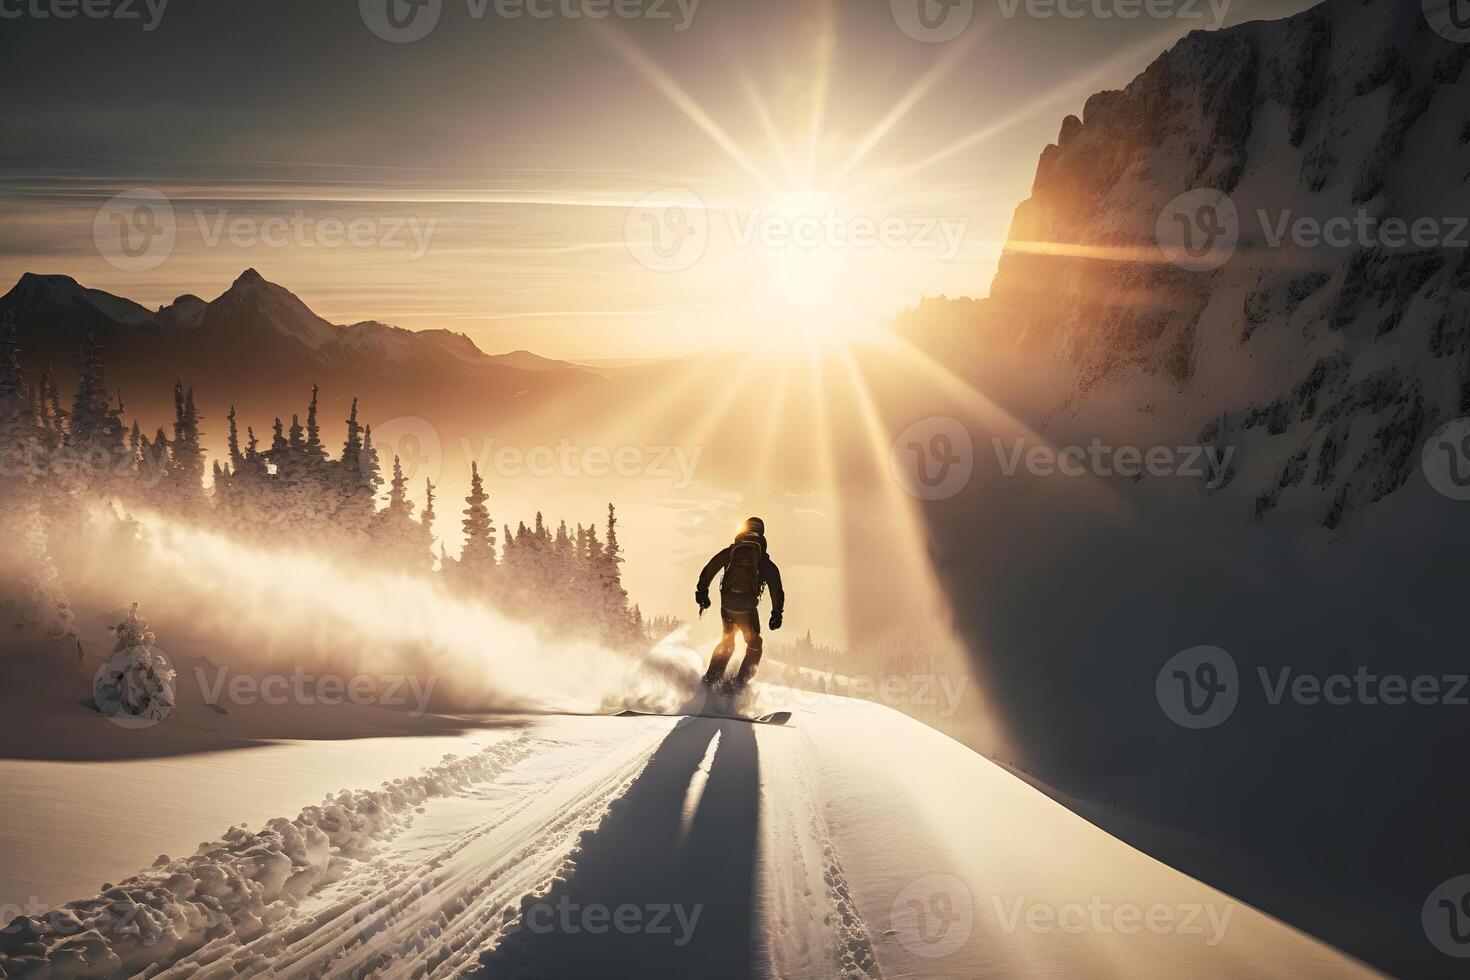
(741, 586)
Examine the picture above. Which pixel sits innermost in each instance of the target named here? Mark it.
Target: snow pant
(749, 626)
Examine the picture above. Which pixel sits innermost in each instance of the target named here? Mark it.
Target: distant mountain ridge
(60, 303)
(258, 344)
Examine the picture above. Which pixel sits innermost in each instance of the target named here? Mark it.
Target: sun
(806, 275)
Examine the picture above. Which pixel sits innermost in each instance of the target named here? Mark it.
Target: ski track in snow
(432, 916)
(816, 929)
(444, 874)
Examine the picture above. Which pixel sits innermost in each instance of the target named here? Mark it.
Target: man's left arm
(772, 575)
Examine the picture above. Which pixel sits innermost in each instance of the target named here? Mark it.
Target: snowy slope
(854, 843)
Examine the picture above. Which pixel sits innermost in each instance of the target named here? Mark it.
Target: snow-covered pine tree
(563, 566)
(185, 483)
(136, 683)
(95, 437)
(31, 599)
(23, 444)
(53, 416)
(314, 448)
(400, 539)
(477, 566)
(424, 537)
(613, 606)
(357, 484)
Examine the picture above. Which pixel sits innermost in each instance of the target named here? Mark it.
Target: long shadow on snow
(641, 856)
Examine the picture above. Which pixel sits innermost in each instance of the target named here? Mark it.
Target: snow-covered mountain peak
(53, 295)
(1325, 358)
(251, 294)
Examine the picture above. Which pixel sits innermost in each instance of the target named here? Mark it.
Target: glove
(701, 598)
(775, 620)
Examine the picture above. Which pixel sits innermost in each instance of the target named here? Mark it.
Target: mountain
(259, 346)
(1322, 554)
(1325, 365)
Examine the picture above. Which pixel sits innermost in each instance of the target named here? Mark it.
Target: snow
(855, 843)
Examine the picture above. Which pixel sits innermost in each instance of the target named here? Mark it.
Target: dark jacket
(770, 576)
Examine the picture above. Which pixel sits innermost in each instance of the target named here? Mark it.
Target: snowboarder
(748, 570)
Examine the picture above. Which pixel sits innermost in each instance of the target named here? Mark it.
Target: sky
(665, 179)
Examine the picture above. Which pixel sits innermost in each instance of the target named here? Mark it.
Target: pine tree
(237, 459)
(155, 467)
(427, 518)
(357, 483)
(477, 557)
(94, 430)
(23, 449)
(401, 539)
(55, 419)
(314, 448)
(186, 456)
(31, 599)
(424, 528)
(614, 598)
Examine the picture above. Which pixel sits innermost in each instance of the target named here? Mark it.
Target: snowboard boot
(740, 681)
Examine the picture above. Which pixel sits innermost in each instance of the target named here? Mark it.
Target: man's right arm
(719, 561)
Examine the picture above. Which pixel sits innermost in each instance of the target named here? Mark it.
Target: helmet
(754, 525)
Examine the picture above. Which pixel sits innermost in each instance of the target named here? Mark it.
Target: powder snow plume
(229, 603)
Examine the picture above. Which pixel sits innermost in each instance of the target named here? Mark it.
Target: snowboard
(774, 718)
